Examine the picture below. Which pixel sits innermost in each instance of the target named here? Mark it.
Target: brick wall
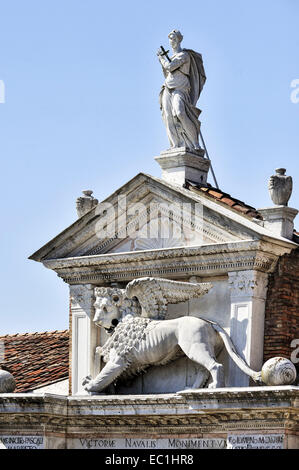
(282, 308)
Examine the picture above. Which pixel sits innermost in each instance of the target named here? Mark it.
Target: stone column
(85, 335)
(248, 297)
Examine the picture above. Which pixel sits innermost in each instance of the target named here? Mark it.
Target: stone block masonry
(247, 417)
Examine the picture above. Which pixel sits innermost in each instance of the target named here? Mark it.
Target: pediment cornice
(172, 263)
(221, 225)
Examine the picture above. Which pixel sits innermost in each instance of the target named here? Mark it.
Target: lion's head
(111, 306)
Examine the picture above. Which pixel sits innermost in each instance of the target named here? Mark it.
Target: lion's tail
(256, 376)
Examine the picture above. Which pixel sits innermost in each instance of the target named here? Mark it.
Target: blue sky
(81, 112)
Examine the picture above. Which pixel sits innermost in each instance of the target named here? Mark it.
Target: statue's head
(175, 37)
(111, 306)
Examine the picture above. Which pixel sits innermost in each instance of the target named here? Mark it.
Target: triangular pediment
(145, 214)
(155, 221)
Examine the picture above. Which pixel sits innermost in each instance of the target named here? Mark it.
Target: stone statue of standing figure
(184, 79)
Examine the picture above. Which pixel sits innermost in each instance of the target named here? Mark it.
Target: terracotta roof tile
(215, 194)
(224, 198)
(36, 359)
(241, 208)
(296, 236)
(230, 202)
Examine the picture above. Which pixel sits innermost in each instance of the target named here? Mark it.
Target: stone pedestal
(280, 220)
(180, 164)
(232, 418)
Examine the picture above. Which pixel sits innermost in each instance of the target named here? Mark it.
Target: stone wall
(282, 308)
(255, 417)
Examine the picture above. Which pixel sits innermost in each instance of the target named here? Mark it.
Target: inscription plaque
(135, 443)
(255, 441)
(22, 442)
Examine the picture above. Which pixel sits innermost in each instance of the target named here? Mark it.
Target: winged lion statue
(141, 337)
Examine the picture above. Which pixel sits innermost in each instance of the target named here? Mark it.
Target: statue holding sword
(184, 79)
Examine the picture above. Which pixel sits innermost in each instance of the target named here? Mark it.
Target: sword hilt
(165, 53)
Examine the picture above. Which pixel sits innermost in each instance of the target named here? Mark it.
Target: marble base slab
(233, 418)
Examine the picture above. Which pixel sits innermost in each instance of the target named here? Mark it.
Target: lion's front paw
(86, 380)
(89, 387)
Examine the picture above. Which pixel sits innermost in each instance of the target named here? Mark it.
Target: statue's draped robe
(185, 76)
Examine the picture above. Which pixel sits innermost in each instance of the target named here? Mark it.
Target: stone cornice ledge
(187, 401)
(196, 411)
(215, 259)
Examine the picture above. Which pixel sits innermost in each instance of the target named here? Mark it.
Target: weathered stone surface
(279, 220)
(138, 342)
(227, 243)
(202, 414)
(181, 164)
(22, 442)
(219, 225)
(255, 441)
(149, 444)
(279, 371)
(85, 203)
(280, 187)
(184, 79)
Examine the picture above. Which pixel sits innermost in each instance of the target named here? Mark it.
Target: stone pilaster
(248, 296)
(85, 335)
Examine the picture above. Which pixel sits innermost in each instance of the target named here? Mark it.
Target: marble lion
(140, 336)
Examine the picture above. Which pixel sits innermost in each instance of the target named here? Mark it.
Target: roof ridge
(34, 333)
(226, 199)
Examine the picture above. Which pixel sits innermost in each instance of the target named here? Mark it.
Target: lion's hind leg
(200, 354)
(199, 346)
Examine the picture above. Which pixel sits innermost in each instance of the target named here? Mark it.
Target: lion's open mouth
(113, 326)
(110, 330)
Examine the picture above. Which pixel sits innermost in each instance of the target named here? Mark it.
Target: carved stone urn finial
(280, 187)
(85, 203)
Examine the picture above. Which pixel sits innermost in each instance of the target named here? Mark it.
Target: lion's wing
(154, 294)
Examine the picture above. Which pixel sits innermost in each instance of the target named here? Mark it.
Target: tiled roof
(36, 359)
(224, 198)
(296, 236)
